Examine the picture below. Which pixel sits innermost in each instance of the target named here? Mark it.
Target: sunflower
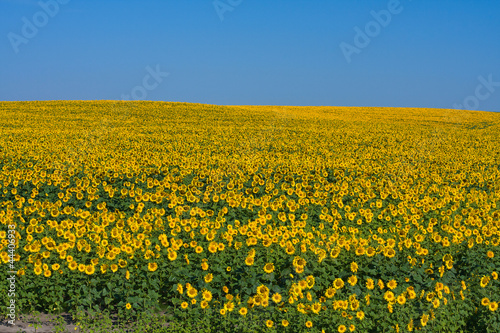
(172, 255)
(494, 275)
(55, 267)
(204, 304)
(309, 324)
(90, 269)
(370, 284)
(222, 312)
(342, 329)
(424, 319)
(493, 306)
(330, 292)
(251, 241)
(298, 261)
(392, 284)
(485, 301)
(354, 267)
(370, 251)
(192, 292)
(152, 266)
(352, 280)
(209, 277)
(243, 311)
(184, 305)
(212, 248)
(389, 296)
(199, 249)
(490, 254)
(269, 268)
(484, 281)
(410, 325)
(360, 315)
(47, 273)
(389, 252)
(122, 263)
(276, 298)
(249, 261)
(114, 267)
(81, 268)
(207, 295)
(334, 253)
(338, 283)
(269, 323)
(316, 308)
(284, 323)
(128, 306)
(229, 306)
(401, 299)
(310, 281)
(179, 288)
(251, 302)
(265, 302)
(262, 290)
(380, 284)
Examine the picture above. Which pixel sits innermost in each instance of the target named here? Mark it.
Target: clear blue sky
(427, 53)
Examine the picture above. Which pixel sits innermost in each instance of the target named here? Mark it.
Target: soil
(22, 324)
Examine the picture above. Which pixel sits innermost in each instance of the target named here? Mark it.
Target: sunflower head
(269, 268)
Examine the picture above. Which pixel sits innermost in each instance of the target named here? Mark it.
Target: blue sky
(420, 53)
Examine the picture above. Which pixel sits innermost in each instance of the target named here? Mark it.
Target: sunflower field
(253, 218)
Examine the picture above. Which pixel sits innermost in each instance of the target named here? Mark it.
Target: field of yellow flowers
(257, 218)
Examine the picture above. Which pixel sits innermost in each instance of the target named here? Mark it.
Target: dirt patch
(45, 321)
(49, 323)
